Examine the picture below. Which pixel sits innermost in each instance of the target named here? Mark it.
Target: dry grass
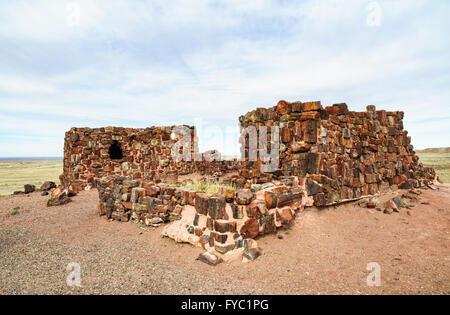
(439, 161)
(16, 173)
(205, 187)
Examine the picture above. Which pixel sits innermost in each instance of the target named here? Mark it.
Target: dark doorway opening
(115, 152)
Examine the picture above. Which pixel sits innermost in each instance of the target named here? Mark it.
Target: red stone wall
(344, 154)
(146, 155)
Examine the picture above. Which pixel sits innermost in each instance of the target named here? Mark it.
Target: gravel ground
(324, 252)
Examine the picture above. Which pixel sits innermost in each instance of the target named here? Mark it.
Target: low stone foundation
(224, 224)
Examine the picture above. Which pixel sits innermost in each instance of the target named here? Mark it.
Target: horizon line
(30, 157)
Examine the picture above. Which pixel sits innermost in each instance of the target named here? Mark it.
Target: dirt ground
(324, 252)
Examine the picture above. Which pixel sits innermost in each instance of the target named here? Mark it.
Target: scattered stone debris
(47, 186)
(209, 258)
(252, 253)
(372, 203)
(399, 202)
(394, 205)
(59, 197)
(28, 189)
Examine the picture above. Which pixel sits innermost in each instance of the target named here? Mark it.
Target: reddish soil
(324, 252)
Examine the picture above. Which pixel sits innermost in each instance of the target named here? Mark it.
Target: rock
(44, 193)
(285, 215)
(390, 205)
(209, 258)
(216, 207)
(399, 202)
(250, 229)
(372, 203)
(283, 107)
(229, 195)
(255, 187)
(224, 227)
(271, 199)
(406, 185)
(59, 199)
(244, 197)
(410, 196)
(268, 221)
(56, 191)
(201, 203)
(300, 147)
(71, 192)
(223, 249)
(252, 253)
(311, 106)
(371, 108)
(29, 188)
(48, 185)
(312, 187)
(156, 221)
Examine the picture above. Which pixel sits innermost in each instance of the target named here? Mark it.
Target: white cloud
(19, 85)
(151, 63)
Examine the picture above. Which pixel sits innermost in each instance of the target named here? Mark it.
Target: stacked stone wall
(343, 155)
(143, 154)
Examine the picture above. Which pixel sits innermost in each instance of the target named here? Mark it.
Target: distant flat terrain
(434, 150)
(440, 161)
(15, 173)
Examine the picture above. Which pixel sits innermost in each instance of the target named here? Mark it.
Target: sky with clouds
(205, 63)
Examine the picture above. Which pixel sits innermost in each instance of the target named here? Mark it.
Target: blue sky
(144, 63)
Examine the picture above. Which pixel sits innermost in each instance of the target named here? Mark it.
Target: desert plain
(324, 251)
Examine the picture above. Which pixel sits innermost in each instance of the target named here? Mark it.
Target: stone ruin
(343, 155)
(91, 154)
(326, 156)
